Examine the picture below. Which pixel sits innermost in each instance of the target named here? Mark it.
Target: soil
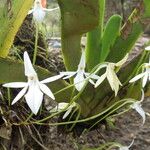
(127, 127)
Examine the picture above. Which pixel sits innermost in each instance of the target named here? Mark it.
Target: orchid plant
(86, 95)
(104, 57)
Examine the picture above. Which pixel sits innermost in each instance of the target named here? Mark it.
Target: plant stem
(119, 105)
(8, 96)
(35, 45)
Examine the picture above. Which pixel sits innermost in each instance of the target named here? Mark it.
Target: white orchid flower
(80, 74)
(1, 95)
(111, 76)
(126, 147)
(137, 106)
(147, 48)
(33, 89)
(62, 106)
(39, 11)
(145, 76)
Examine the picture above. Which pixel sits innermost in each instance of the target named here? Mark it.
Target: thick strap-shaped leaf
(111, 32)
(78, 17)
(12, 14)
(138, 21)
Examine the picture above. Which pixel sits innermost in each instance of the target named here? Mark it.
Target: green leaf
(131, 31)
(12, 14)
(94, 40)
(13, 71)
(125, 45)
(111, 32)
(147, 8)
(78, 17)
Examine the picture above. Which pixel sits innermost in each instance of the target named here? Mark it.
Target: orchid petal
(45, 9)
(110, 77)
(142, 97)
(137, 77)
(145, 78)
(1, 95)
(139, 109)
(82, 61)
(60, 107)
(68, 74)
(15, 85)
(19, 95)
(34, 98)
(90, 76)
(113, 79)
(29, 70)
(87, 74)
(39, 14)
(30, 11)
(100, 80)
(91, 81)
(46, 91)
(101, 67)
(131, 143)
(123, 148)
(67, 113)
(147, 48)
(79, 80)
(112, 82)
(137, 106)
(51, 79)
(121, 62)
(93, 76)
(148, 71)
(126, 147)
(67, 77)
